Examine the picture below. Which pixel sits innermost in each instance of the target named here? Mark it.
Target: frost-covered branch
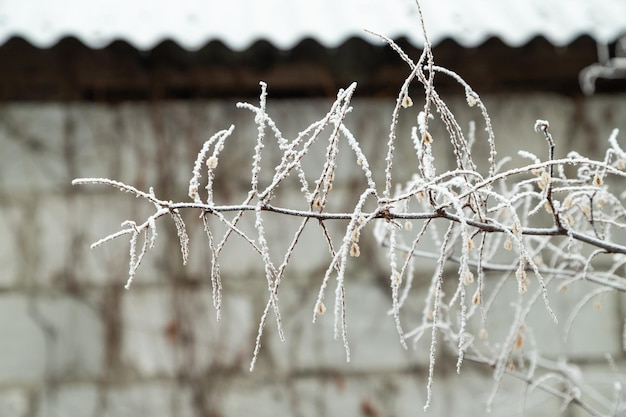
(546, 220)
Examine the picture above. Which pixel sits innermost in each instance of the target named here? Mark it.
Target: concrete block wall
(73, 342)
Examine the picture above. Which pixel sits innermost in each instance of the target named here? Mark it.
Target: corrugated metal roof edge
(291, 45)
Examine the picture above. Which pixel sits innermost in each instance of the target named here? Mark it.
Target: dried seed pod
(472, 98)
(547, 207)
(476, 298)
(320, 308)
(354, 250)
(597, 180)
(317, 203)
(544, 180)
(568, 202)
(356, 235)
(211, 162)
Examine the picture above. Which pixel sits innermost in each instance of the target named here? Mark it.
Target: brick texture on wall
(73, 342)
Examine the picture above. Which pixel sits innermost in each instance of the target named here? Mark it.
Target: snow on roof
(284, 23)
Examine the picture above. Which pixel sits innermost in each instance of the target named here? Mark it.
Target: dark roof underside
(71, 71)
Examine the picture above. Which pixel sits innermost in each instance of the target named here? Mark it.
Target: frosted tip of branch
(471, 98)
(129, 282)
(541, 126)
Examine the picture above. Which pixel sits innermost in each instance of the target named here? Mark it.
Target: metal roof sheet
(284, 23)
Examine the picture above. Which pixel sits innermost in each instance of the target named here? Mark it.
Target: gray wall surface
(74, 342)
